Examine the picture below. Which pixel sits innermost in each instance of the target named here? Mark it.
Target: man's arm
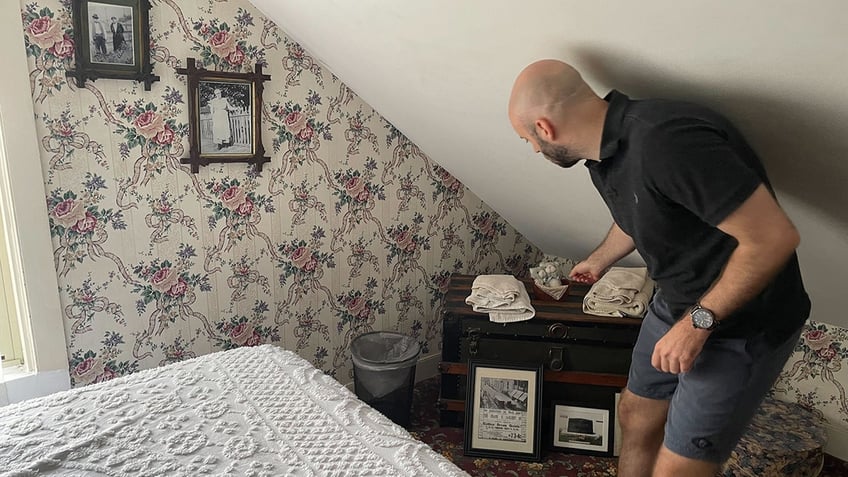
(614, 247)
(766, 240)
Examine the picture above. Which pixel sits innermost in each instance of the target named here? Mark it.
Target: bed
(253, 411)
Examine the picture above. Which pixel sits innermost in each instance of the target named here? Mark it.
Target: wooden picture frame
(581, 428)
(503, 410)
(225, 116)
(112, 40)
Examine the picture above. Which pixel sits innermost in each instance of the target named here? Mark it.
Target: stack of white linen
(621, 292)
(503, 297)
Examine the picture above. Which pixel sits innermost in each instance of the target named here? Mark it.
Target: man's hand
(586, 272)
(676, 351)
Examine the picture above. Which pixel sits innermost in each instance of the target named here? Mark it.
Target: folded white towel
(621, 291)
(503, 297)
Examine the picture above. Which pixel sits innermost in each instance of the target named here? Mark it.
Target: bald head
(547, 88)
(554, 110)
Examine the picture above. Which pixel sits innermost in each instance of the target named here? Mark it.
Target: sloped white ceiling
(441, 72)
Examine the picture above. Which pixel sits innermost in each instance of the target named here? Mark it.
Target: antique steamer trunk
(586, 357)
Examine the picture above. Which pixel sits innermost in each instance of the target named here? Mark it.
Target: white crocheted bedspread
(257, 411)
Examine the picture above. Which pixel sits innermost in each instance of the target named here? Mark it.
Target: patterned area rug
(448, 441)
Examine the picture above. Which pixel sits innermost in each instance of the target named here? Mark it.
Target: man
(117, 34)
(99, 34)
(687, 192)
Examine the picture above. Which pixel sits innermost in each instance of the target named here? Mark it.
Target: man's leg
(642, 421)
(670, 464)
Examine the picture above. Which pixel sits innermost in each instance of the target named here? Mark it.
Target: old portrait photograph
(225, 116)
(110, 31)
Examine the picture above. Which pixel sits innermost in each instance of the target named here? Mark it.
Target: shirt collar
(613, 123)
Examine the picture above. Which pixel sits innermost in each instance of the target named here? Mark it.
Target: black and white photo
(502, 411)
(579, 428)
(113, 41)
(226, 118)
(110, 34)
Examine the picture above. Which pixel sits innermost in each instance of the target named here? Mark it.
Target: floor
(449, 442)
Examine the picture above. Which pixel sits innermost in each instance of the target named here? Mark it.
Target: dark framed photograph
(112, 40)
(502, 410)
(582, 429)
(225, 116)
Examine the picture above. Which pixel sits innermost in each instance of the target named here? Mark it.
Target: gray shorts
(712, 403)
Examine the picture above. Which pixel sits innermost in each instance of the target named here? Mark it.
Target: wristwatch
(702, 318)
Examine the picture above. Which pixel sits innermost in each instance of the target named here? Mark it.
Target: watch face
(702, 318)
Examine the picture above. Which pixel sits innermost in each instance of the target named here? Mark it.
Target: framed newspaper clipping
(503, 410)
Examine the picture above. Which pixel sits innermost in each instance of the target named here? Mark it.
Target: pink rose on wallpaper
(106, 376)
(87, 371)
(827, 353)
(817, 339)
(149, 124)
(246, 207)
(295, 121)
(449, 181)
(223, 43)
(68, 212)
(45, 32)
(165, 136)
(356, 305)
(311, 265)
(487, 227)
(178, 289)
(301, 256)
(164, 279)
(63, 48)
(65, 130)
(236, 58)
(233, 197)
(254, 340)
(306, 133)
(363, 196)
(411, 247)
(86, 224)
(403, 239)
(354, 186)
(241, 333)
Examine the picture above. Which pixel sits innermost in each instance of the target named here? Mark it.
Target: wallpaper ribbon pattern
(351, 228)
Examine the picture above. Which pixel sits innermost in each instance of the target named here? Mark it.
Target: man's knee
(670, 464)
(636, 413)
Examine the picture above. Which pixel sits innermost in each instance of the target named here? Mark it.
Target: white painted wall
(441, 72)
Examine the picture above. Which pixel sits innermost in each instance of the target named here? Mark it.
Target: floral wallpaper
(814, 376)
(349, 229)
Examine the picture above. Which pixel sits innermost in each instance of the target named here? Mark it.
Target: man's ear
(545, 129)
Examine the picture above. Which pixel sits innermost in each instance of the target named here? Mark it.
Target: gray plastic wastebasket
(384, 372)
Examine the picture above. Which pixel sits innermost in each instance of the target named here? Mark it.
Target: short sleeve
(692, 163)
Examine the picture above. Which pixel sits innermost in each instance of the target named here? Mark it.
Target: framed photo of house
(582, 429)
(502, 410)
(112, 40)
(225, 116)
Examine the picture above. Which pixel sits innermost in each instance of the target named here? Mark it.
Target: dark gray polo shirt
(670, 172)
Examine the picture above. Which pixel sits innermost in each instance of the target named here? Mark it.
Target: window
(10, 334)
